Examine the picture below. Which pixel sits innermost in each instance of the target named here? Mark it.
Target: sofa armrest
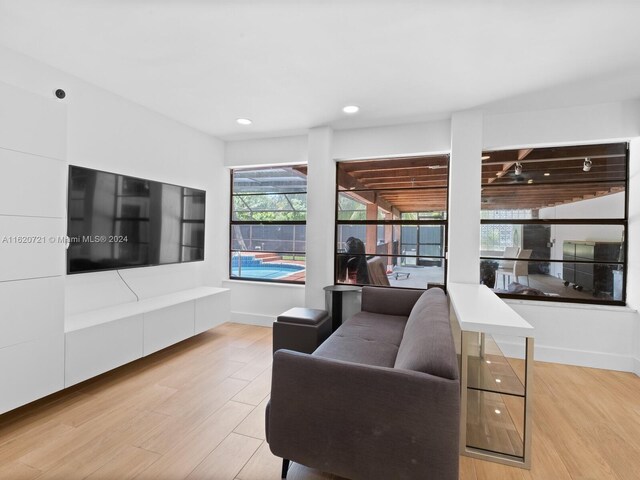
(389, 301)
(363, 422)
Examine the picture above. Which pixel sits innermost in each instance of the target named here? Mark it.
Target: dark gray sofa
(379, 399)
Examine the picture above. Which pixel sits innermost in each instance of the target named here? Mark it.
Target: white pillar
(321, 186)
(632, 236)
(464, 197)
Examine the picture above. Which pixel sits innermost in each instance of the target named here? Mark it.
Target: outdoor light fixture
(518, 168)
(587, 164)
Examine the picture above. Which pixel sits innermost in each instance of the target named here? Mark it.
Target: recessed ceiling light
(530, 181)
(244, 121)
(498, 412)
(351, 109)
(486, 157)
(489, 361)
(546, 174)
(498, 380)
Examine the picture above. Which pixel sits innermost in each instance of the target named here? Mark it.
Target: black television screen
(116, 221)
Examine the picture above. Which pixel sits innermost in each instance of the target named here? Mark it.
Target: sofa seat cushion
(427, 345)
(367, 338)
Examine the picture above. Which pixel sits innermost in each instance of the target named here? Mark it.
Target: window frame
(623, 222)
(443, 222)
(233, 223)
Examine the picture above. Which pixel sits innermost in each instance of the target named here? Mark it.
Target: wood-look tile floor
(196, 410)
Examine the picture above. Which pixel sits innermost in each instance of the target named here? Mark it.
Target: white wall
(572, 125)
(108, 132)
(633, 263)
(266, 151)
(32, 211)
(394, 140)
(258, 303)
(96, 129)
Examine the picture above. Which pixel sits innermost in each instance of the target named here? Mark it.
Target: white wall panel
(31, 123)
(92, 291)
(35, 252)
(162, 279)
(32, 185)
(168, 326)
(31, 370)
(95, 350)
(30, 309)
(212, 311)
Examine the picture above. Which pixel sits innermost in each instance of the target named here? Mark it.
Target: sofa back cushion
(427, 344)
(389, 301)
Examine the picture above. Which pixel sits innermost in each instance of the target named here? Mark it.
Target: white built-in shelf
(129, 309)
(478, 309)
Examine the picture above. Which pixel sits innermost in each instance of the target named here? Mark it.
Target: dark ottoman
(301, 329)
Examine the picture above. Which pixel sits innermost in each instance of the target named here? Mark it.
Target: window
(391, 221)
(268, 224)
(554, 221)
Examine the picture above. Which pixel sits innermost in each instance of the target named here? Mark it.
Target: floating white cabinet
(31, 370)
(92, 351)
(106, 338)
(168, 326)
(212, 311)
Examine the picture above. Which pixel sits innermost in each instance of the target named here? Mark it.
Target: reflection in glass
(389, 270)
(117, 221)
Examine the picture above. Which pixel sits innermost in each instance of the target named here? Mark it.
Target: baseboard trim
(253, 319)
(581, 358)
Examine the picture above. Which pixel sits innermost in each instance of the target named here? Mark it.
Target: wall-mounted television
(116, 221)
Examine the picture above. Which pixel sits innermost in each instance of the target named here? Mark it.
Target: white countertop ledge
(478, 309)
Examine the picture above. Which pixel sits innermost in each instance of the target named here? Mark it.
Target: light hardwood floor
(196, 410)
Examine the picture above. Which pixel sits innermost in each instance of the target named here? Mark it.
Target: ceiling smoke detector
(587, 164)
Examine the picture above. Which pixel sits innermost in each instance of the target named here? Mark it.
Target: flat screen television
(116, 221)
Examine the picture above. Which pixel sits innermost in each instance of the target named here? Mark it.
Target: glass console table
(496, 403)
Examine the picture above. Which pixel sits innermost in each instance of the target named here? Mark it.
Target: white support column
(632, 236)
(321, 185)
(464, 197)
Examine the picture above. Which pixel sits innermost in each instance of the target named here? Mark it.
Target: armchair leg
(285, 467)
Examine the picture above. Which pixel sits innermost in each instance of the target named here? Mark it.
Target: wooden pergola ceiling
(551, 176)
(416, 184)
(411, 184)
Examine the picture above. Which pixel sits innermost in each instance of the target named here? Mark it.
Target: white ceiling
(290, 65)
